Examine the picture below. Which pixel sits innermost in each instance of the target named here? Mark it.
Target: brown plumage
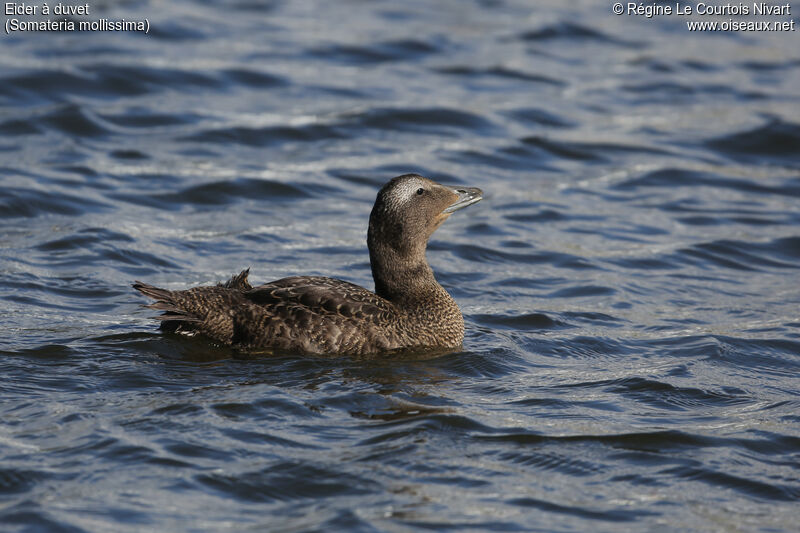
(316, 315)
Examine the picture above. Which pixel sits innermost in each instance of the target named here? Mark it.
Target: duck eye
(420, 190)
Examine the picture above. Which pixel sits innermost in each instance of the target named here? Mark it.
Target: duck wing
(238, 282)
(323, 296)
(307, 314)
(315, 315)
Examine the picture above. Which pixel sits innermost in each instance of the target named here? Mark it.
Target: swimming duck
(409, 310)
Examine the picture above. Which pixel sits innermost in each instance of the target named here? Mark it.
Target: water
(629, 282)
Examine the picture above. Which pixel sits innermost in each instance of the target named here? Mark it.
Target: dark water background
(629, 283)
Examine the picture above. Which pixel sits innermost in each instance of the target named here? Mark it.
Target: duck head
(409, 208)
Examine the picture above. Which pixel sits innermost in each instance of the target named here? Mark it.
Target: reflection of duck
(325, 316)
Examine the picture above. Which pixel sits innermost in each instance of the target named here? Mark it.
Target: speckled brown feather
(326, 316)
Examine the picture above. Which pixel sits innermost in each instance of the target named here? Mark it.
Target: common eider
(316, 315)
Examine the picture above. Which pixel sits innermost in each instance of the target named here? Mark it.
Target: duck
(409, 311)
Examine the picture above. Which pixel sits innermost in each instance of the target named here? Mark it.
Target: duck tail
(165, 301)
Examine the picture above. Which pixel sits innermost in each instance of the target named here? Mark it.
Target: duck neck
(404, 277)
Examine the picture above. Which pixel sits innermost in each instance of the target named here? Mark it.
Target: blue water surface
(629, 282)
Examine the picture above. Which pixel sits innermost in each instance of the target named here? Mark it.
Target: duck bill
(465, 196)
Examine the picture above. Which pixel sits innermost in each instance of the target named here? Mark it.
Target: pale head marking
(408, 187)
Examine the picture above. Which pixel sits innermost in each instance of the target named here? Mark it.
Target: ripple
(743, 255)
(194, 450)
(18, 127)
(430, 120)
(91, 245)
(106, 81)
(510, 158)
(670, 91)
(585, 151)
(498, 362)
(768, 491)
(676, 177)
(484, 254)
(574, 33)
(531, 321)
(35, 520)
(139, 79)
(74, 293)
(225, 192)
(287, 481)
(266, 136)
(774, 142)
(253, 78)
(537, 152)
(540, 117)
(170, 30)
(666, 396)
(551, 461)
(582, 512)
(29, 203)
(582, 291)
(47, 352)
(500, 72)
(128, 155)
(15, 481)
(777, 357)
(761, 66)
(84, 238)
(73, 120)
(34, 87)
(143, 118)
(404, 49)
